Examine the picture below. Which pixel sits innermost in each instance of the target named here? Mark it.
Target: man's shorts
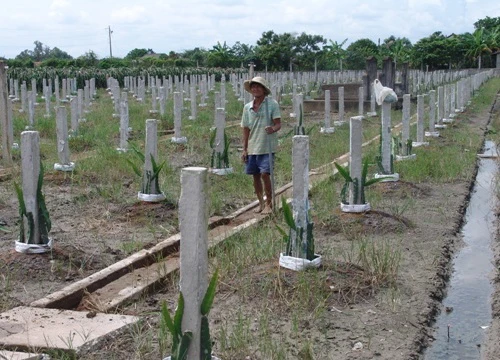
(258, 164)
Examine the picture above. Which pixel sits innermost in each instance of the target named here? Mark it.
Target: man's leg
(257, 185)
(266, 178)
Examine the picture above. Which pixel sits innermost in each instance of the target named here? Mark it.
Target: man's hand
(244, 156)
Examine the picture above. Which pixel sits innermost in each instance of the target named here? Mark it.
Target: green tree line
(297, 52)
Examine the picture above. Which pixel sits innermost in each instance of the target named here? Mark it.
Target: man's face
(257, 90)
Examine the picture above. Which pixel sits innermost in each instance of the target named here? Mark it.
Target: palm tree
(478, 43)
(220, 55)
(397, 48)
(335, 51)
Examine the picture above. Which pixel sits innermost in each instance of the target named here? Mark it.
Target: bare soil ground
(257, 323)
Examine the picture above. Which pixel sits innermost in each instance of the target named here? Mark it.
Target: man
(260, 121)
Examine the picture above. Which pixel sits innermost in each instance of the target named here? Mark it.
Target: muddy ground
(255, 321)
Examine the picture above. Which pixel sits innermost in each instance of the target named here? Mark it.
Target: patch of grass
(380, 260)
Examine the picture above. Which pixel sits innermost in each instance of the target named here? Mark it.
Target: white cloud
(131, 14)
(77, 26)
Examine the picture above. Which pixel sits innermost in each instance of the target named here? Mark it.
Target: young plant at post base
(219, 160)
(358, 188)
(304, 242)
(182, 341)
(299, 129)
(378, 158)
(148, 177)
(44, 222)
(400, 148)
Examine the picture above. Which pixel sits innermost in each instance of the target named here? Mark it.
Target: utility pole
(109, 34)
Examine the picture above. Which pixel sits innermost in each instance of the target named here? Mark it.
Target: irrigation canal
(466, 312)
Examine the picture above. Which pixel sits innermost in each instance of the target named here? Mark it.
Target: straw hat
(258, 80)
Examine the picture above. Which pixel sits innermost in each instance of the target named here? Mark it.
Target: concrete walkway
(29, 328)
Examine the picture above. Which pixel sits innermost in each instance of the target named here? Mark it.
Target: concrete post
(432, 110)
(223, 93)
(86, 96)
(150, 192)
(24, 97)
(31, 109)
(47, 101)
(4, 117)
(11, 87)
(178, 138)
(440, 107)
(80, 105)
(92, 88)
(459, 100)
(74, 116)
(452, 100)
(341, 106)
(10, 132)
(203, 90)
(328, 129)
(33, 90)
(192, 93)
(328, 115)
(371, 73)
(220, 123)
(373, 110)
(16, 90)
(420, 119)
(406, 123)
(193, 219)
(154, 109)
(30, 167)
(386, 138)
(217, 103)
(295, 105)
(361, 99)
(124, 121)
(62, 141)
(355, 156)
(300, 180)
(446, 113)
(404, 78)
(151, 148)
(388, 73)
(163, 100)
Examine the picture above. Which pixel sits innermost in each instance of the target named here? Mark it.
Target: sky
(78, 26)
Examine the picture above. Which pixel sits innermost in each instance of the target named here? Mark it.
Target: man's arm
(276, 126)
(246, 135)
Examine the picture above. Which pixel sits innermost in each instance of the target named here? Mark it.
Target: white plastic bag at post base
(383, 93)
(299, 264)
(33, 248)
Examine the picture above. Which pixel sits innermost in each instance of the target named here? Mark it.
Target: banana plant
(150, 177)
(357, 185)
(182, 340)
(44, 223)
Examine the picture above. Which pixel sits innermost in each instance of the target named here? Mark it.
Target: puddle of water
(467, 306)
